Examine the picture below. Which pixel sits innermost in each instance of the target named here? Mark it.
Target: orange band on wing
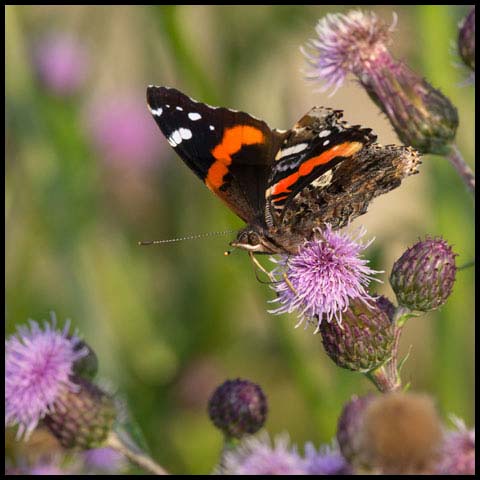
(346, 149)
(232, 141)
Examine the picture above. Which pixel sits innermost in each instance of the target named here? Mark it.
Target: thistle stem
(456, 159)
(137, 457)
(387, 377)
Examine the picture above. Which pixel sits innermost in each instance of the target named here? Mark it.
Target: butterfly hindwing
(230, 151)
(316, 144)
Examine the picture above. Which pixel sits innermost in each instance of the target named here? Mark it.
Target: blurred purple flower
(62, 63)
(123, 132)
(38, 365)
(327, 461)
(256, 456)
(104, 459)
(326, 275)
(46, 469)
(458, 451)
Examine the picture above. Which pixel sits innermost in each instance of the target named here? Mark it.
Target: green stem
(137, 457)
(387, 377)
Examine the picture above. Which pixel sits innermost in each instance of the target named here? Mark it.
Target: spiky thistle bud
(423, 277)
(363, 341)
(399, 434)
(466, 39)
(238, 407)
(83, 417)
(349, 423)
(357, 43)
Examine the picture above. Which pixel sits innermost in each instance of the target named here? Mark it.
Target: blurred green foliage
(170, 323)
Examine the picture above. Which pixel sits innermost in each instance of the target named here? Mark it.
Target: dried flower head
(458, 451)
(257, 456)
(400, 434)
(423, 277)
(326, 461)
(322, 279)
(238, 407)
(38, 368)
(357, 43)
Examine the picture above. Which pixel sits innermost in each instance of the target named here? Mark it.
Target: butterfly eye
(253, 238)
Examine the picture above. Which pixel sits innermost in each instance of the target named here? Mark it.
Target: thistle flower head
(458, 451)
(326, 461)
(238, 407)
(423, 277)
(345, 44)
(326, 274)
(38, 368)
(357, 43)
(257, 456)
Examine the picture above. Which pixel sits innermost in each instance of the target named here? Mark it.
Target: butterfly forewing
(230, 151)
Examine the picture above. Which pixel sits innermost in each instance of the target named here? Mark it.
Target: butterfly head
(252, 239)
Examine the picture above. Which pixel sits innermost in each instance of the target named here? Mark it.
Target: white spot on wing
(157, 112)
(176, 137)
(324, 133)
(179, 108)
(185, 133)
(194, 116)
(211, 127)
(326, 142)
(291, 150)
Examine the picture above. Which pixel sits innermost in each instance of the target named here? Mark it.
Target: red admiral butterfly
(283, 184)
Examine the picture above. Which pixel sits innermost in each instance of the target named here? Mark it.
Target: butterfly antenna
(180, 239)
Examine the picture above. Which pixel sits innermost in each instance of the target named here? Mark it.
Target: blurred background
(88, 174)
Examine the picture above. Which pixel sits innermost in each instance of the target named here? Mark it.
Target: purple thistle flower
(326, 274)
(257, 456)
(38, 365)
(104, 459)
(327, 461)
(357, 43)
(62, 63)
(123, 133)
(458, 451)
(346, 43)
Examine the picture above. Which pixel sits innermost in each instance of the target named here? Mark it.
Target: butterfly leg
(258, 266)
